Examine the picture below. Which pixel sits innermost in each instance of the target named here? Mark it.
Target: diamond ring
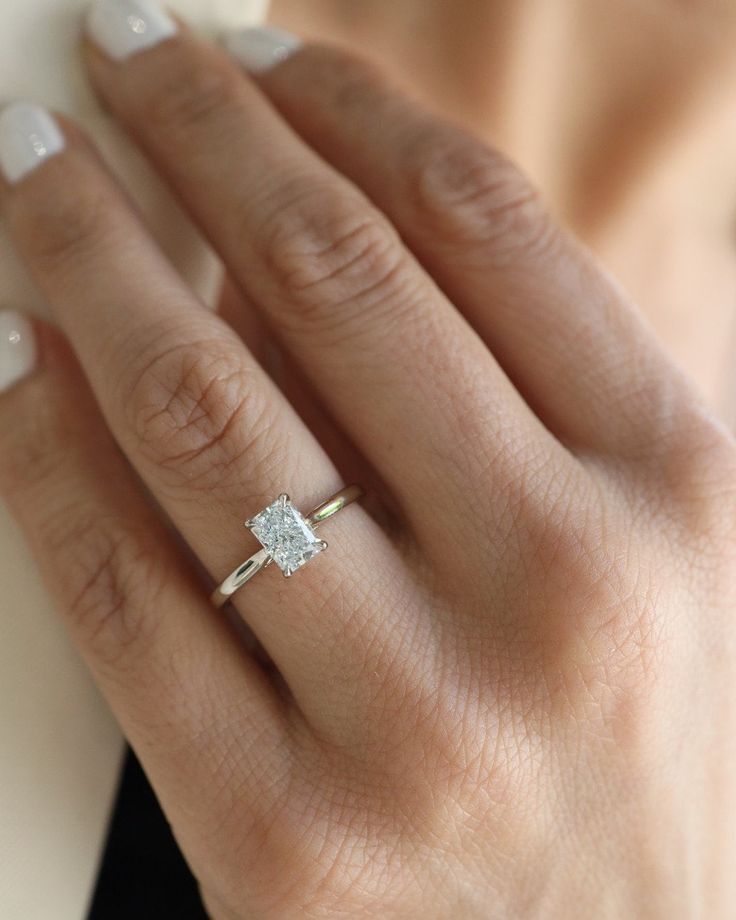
(287, 538)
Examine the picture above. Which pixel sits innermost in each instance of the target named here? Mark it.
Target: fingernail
(260, 48)
(122, 28)
(17, 348)
(29, 135)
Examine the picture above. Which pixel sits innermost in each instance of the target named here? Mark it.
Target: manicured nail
(29, 135)
(122, 28)
(17, 348)
(260, 48)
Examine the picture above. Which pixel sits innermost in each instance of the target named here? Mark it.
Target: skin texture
(506, 690)
(622, 114)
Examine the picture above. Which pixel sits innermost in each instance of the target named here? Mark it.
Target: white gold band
(287, 537)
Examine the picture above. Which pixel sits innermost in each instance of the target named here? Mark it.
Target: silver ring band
(286, 536)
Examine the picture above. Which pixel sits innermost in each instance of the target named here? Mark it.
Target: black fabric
(143, 874)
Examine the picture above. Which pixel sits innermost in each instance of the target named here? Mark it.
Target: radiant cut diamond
(285, 535)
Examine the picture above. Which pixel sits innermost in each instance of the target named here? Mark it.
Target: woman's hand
(506, 690)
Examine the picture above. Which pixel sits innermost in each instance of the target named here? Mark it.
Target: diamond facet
(285, 535)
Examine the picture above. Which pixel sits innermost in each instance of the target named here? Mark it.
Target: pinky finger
(187, 695)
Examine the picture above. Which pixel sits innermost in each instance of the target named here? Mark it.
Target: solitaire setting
(287, 538)
(286, 535)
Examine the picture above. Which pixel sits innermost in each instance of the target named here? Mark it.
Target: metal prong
(249, 523)
(288, 573)
(324, 544)
(283, 498)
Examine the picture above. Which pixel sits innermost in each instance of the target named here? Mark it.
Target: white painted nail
(122, 28)
(17, 348)
(29, 135)
(260, 48)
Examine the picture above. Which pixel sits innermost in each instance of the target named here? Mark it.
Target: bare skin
(506, 690)
(624, 116)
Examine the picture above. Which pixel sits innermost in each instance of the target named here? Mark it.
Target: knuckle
(470, 195)
(197, 411)
(326, 253)
(350, 83)
(193, 96)
(592, 581)
(64, 225)
(32, 451)
(700, 474)
(110, 582)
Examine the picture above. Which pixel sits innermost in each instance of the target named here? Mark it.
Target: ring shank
(244, 572)
(334, 504)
